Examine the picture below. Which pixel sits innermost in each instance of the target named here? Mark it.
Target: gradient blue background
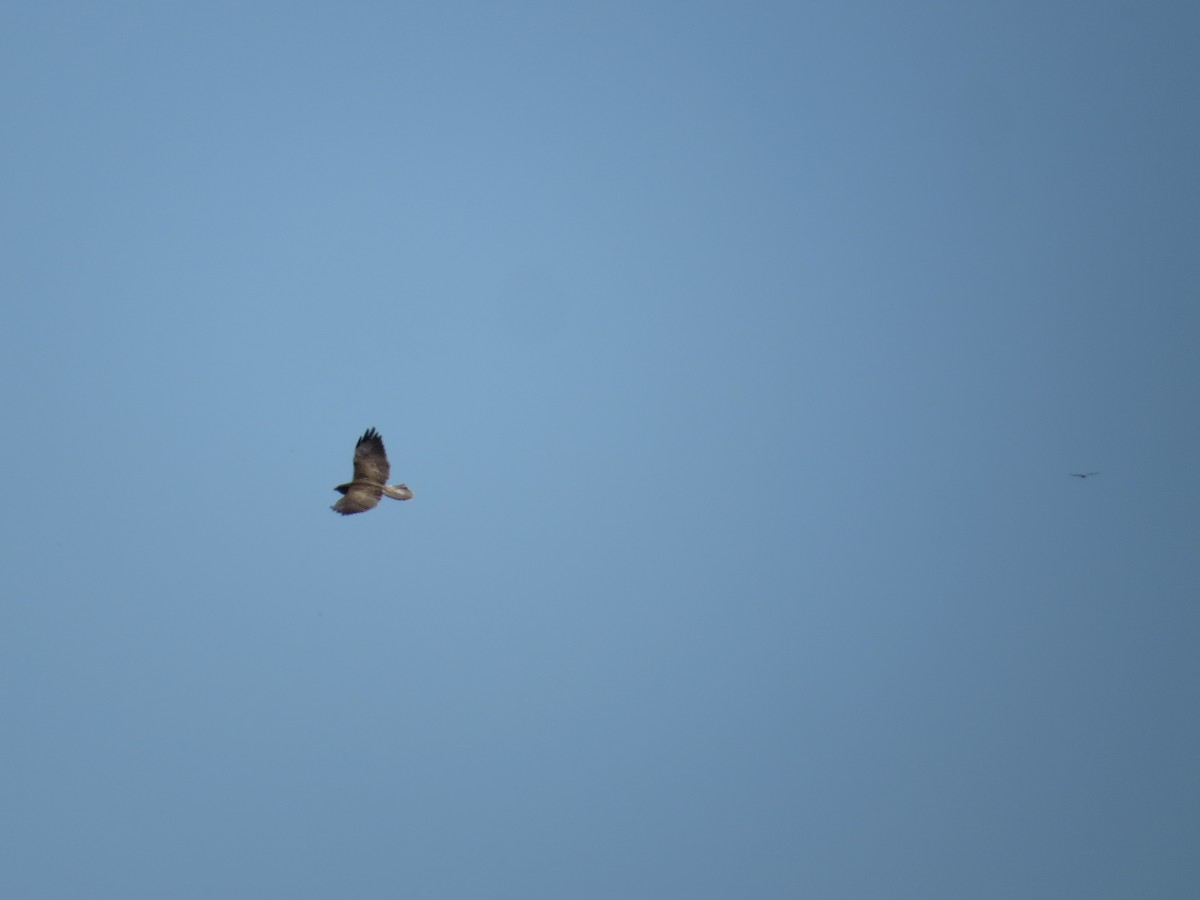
(737, 355)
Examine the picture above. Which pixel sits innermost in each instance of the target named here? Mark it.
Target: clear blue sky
(737, 355)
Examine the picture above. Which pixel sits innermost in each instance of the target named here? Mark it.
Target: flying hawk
(370, 478)
(1083, 474)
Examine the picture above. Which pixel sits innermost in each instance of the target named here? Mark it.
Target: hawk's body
(371, 471)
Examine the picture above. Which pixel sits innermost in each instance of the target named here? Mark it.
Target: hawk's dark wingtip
(369, 435)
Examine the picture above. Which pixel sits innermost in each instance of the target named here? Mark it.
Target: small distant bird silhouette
(1083, 474)
(371, 471)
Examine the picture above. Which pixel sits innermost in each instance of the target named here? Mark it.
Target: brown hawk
(370, 478)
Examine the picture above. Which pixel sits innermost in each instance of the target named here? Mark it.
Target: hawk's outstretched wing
(359, 498)
(370, 459)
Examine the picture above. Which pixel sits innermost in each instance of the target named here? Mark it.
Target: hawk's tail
(397, 491)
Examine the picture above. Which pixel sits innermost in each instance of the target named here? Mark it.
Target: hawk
(1083, 474)
(370, 478)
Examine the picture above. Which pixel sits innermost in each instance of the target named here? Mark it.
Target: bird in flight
(1083, 474)
(370, 478)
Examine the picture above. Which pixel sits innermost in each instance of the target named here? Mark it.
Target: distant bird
(1083, 474)
(371, 471)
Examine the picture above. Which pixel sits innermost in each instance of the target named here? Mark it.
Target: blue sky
(737, 355)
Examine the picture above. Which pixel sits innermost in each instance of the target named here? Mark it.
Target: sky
(738, 356)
